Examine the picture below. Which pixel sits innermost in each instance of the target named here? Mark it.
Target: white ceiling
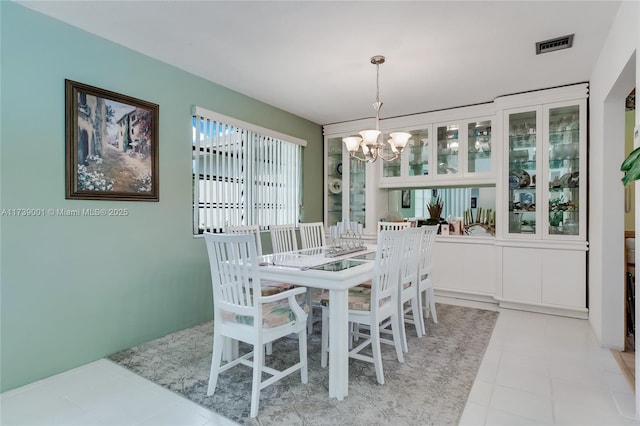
(311, 58)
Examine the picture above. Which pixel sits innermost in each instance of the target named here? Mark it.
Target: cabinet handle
(627, 199)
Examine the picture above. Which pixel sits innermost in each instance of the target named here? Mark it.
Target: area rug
(430, 388)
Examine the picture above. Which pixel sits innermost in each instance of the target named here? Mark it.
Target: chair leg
(395, 329)
(268, 347)
(325, 338)
(353, 333)
(416, 312)
(422, 302)
(216, 359)
(258, 362)
(302, 348)
(432, 305)
(377, 354)
(309, 300)
(403, 332)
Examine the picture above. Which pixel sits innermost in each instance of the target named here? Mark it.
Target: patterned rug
(430, 388)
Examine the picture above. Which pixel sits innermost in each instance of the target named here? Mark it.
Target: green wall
(75, 289)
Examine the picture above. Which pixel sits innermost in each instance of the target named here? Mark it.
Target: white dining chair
(373, 304)
(426, 298)
(392, 226)
(283, 238)
(247, 229)
(408, 302)
(312, 235)
(268, 287)
(242, 313)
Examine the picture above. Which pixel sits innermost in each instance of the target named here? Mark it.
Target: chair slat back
(392, 226)
(384, 284)
(248, 229)
(411, 258)
(283, 238)
(234, 273)
(312, 235)
(426, 248)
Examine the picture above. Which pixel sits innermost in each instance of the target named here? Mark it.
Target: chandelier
(370, 141)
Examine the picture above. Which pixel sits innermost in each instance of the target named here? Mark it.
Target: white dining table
(301, 268)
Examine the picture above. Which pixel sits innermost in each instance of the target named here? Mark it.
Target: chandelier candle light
(370, 140)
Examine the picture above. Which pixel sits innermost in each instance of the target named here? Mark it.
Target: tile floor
(537, 370)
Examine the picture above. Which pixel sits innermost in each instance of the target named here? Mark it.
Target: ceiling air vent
(558, 43)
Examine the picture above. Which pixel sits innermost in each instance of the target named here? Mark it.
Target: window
(243, 174)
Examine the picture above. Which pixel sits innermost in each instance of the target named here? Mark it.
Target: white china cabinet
(447, 148)
(543, 200)
(532, 147)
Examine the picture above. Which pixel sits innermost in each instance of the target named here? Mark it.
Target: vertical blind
(456, 201)
(242, 174)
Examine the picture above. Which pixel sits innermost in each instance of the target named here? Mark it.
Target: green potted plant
(631, 167)
(435, 210)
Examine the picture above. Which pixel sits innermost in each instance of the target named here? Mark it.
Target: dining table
(322, 268)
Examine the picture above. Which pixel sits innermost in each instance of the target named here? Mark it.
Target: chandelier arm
(354, 155)
(393, 157)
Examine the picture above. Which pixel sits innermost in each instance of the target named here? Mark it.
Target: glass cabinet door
(523, 141)
(415, 160)
(357, 187)
(447, 149)
(390, 168)
(334, 180)
(564, 170)
(419, 153)
(479, 147)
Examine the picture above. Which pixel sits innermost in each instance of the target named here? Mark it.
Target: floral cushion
(359, 299)
(274, 314)
(271, 287)
(366, 284)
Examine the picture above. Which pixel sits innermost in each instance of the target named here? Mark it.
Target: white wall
(612, 79)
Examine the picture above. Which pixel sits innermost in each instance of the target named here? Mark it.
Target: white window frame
(243, 174)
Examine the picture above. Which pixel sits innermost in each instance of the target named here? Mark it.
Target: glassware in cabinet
(391, 168)
(522, 164)
(334, 180)
(419, 153)
(545, 157)
(479, 147)
(415, 161)
(357, 188)
(447, 149)
(564, 170)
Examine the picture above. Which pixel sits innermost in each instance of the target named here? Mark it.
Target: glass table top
(338, 265)
(366, 256)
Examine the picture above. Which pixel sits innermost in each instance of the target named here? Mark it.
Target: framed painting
(406, 199)
(111, 145)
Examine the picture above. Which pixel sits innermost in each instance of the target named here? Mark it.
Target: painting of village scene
(112, 144)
